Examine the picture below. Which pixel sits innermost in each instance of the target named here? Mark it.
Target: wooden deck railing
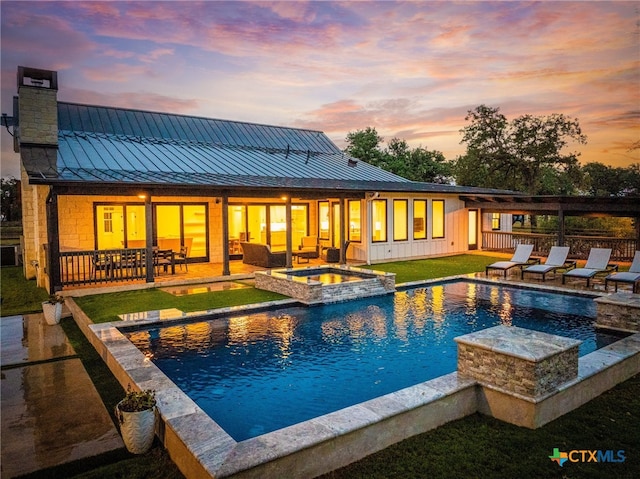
(622, 249)
(102, 266)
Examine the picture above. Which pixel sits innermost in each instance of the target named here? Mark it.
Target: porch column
(343, 214)
(53, 239)
(560, 227)
(148, 231)
(289, 233)
(225, 235)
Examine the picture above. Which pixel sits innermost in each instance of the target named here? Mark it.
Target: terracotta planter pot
(137, 429)
(52, 312)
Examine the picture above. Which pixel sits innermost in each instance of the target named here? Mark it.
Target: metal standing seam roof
(115, 146)
(121, 144)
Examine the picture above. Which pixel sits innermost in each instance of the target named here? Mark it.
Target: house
(99, 179)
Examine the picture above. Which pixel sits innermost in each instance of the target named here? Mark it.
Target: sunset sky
(410, 69)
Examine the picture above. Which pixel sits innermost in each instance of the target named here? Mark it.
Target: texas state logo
(559, 457)
(582, 455)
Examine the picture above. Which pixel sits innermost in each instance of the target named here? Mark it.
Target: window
(400, 220)
(354, 220)
(495, 221)
(323, 220)
(419, 219)
(437, 227)
(379, 220)
(108, 221)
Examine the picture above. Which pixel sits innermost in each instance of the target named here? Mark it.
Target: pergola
(560, 206)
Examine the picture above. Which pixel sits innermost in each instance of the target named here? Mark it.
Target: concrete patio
(51, 411)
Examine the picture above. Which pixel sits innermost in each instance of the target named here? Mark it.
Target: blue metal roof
(165, 126)
(103, 144)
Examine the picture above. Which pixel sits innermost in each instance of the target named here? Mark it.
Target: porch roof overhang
(551, 205)
(97, 182)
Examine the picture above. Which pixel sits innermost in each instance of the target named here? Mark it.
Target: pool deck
(32, 353)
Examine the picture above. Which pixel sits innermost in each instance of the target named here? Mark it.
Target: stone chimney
(37, 116)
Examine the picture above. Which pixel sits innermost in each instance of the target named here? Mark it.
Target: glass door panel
(194, 229)
(257, 224)
(299, 224)
(278, 227)
(168, 227)
(473, 229)
(136, 235)
(336, 225)
(237, 228)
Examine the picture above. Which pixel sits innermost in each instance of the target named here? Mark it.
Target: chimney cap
(35, 77)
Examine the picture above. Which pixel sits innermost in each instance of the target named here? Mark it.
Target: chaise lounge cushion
(260, 255)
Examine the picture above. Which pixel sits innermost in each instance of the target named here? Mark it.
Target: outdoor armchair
(557, 259)
(598, 262)
(520, 257)
(632, 276)
(309, 245)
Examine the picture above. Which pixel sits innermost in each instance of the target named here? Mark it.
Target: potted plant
(52, 309)
(136, 415)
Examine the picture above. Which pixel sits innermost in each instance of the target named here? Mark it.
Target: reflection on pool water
(257, 373)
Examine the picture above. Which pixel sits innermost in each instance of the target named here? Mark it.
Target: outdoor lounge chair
(632, 276)
(598, 262)
(557, 259)
(520, 257)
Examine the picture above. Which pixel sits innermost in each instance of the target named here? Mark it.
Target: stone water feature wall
(619, 311)
(308, 291)
(517, 360)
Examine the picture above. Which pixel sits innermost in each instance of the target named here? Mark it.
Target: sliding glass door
(179, 225)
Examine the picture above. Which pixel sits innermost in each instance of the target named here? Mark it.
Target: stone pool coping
(201, 448)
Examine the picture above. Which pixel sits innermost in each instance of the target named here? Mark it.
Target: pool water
(257, 373)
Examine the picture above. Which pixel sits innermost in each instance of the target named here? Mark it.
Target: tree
(525, 154)
(364, 145)
(418, 164)
(602, 180)
(10, 200)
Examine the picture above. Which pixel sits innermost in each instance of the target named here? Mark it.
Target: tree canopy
(417, 164)
(526, 154)
(531, 154)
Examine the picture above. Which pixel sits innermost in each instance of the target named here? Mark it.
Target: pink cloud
(135, 100)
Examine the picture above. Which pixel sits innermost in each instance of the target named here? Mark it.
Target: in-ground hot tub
(326, 284)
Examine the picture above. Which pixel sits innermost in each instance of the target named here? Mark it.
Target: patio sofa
(260, 255)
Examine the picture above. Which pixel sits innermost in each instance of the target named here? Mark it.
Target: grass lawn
(103, 308)
(476, 446)
(19, 296)
(407, 271)
(483, 447)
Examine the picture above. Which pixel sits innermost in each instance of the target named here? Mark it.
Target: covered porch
(623, 248)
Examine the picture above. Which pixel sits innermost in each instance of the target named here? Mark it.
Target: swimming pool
(257, 373)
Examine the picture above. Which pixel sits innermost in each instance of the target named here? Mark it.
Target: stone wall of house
(34, 229)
